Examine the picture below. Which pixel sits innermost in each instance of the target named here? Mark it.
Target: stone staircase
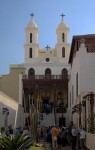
(48, 119)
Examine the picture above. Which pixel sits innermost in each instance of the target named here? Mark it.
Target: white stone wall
(87, 70)
(56, 69)
(67, 51)
(84, 65)
(72, 82)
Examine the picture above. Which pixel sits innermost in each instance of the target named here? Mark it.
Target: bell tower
(62, 46)
(31, 45)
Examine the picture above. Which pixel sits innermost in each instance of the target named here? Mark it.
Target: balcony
(45, 77)
(45, 81)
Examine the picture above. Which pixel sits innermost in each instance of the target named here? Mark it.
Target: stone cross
(32, 15)
(62, 15)
(47, 47)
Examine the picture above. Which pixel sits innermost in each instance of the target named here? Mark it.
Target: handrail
(45, 77)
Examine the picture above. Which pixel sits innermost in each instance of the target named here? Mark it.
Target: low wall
(90, 141)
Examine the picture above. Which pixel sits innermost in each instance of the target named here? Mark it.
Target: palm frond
(19, 142)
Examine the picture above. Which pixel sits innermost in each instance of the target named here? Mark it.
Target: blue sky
(14, 17)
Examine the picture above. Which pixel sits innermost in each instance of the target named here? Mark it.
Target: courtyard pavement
(62, 148)
(65, 148)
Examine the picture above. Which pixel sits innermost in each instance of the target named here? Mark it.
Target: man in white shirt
(78, 136)
(74, 137)
(82, 138)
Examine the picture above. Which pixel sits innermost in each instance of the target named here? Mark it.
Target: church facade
(54, 84)
(45, 80)
(42, 81)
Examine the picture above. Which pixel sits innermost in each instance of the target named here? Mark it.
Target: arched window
(63, 52)
(48, 73)
(31, 73)
(63, 37)
(30, 53)
(64, 73)
(30, 37)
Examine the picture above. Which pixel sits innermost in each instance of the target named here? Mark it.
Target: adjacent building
(82, 78)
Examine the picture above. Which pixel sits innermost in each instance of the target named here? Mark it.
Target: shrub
(19, 142)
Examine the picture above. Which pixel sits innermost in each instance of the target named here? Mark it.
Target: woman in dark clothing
(59, 139)
(63, 137)
(49, 137)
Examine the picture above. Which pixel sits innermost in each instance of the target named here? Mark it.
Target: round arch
(64, 72)
(31, 72)
(48, 71)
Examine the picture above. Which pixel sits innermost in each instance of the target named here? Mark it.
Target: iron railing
(46, 77)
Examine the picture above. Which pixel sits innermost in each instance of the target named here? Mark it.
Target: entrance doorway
(45, 100)
(46, 105)
(62, 121)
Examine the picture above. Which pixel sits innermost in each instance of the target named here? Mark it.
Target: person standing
(54, 133)
(82, 138)
(7, 131)
(74, 137)
(11, 132)
(26, 131)
(59, 139)
(78, 136)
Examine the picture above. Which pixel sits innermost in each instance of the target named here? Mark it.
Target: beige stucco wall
(15, 117)
(0, 82)
(90, 141)
(9, 84)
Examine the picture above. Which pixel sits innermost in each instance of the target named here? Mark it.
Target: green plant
(91, 123)
(2, 130)
(19, 142)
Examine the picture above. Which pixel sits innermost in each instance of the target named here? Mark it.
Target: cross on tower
(47, 47)
(32, 15)
(62, 15)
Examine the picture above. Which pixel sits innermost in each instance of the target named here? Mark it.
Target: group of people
(78, 137)
(55, 136)
(58, 137)
(61, 136)
(10, 132)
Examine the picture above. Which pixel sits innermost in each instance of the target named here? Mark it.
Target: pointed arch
(31, 73)
(63, 51)
(30, 53)
(63, 37)
(30, 37)
(64, 73)
(48, 73)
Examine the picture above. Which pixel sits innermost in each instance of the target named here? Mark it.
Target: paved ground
(62, 148)
(65, 148)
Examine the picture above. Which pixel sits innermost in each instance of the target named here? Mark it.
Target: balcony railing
(46, 77)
